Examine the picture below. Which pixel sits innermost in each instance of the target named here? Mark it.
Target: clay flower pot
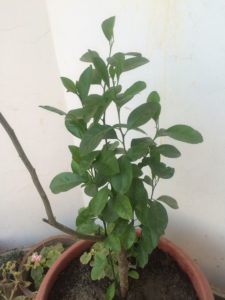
(197, 279)
(66, 240)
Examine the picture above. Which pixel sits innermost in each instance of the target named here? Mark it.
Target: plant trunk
(123, 273)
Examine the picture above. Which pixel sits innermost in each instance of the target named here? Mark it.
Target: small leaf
(64, 182)
(100, 262)
(123, 207)
(183, 133)
(85, 258)
(110, 292)
(153, 97)
(75, 124)
(147, 180)
(98, 203)
(133, 90)
(69, 85)
(134, 62)
(142, 114)
(107, 28)
(133, 274)
(171, 202)
(169, 151)
(88, 56)
(53, 109)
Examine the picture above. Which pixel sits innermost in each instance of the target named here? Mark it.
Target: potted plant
(124, 221)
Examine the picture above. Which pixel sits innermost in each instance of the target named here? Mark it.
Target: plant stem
(123, 268)
(51, 218)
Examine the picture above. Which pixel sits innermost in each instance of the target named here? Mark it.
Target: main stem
(123, 273)
(51, 218)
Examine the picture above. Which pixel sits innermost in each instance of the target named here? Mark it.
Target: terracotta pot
(66, 240)
(198, 280)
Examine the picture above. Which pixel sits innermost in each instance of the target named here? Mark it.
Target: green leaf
(122, 181)
(109, 214)
(128, 237)
(98, 203)
(88, 56)
(153, 97)
(158, 218)
(134, 62)
(53, 109)
(75, 124)
(133, 274)
(137, 172)
(85, 258)
(142, 114)
(101, 69)
(107, 28)
(147, 180)
(161, 170)
(113, 242)
(137, 151)
(116, 64)
(171, 202)
(146, 141)
(37, 275)
(84, 216)
(183, 133)
(133, 90)
(91, 189)
(126, 126)
(84, 83)
(64, 182)
(69, 85)
(107, 164)
(169, 151)
(110, 292)
(123, 207)
(100, 262)
(93, 137)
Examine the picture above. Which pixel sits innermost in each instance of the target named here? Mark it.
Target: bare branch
(51, 218)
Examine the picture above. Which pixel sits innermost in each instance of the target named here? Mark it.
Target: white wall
(29, 77)
(184, 41)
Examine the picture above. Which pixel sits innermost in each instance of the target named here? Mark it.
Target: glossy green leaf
(132, 91)
(137, 151)
(110, 292)
(91, 189)
(107, 163)
(84, 83)
(161, 170)
(171, 202)
(122, 181)
(113, 242)
(85, 215)
(133, 274)
(123, 207)
(183, 133)
(158, 218)
(128, 237)
(153, 97)
(169, 151)
(75, 124)
(53, 109)
(88, 56)
(69, 85)
(64, 182)
(142, 114)
(93, 137)
(109, 214)
(101, 68)
(98, 203)
(107, 28)
(134, 62)
(147, 180)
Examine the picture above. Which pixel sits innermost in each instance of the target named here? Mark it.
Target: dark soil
(161, 279)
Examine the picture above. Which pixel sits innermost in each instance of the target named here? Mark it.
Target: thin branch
(51, 218)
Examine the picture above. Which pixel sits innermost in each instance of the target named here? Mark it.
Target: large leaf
(101, 69)
(107, 163)
(133, 90)
(84, 83)
(107, 28)
(93, 137)
(53, 109)
(64, 182)
(134, 62)
(169, 151)
(171, 202)
(98, 203)
(122, 181)
(142, 114)
(69, 85)
(183, 133)
(122, 206)
(74, 123)
(158, 218)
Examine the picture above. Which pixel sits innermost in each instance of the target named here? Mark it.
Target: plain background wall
(29, 77)
(183, 40)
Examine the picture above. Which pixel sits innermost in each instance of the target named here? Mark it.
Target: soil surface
(161, 279)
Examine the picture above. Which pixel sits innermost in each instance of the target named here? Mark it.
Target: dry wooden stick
(51, 220)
